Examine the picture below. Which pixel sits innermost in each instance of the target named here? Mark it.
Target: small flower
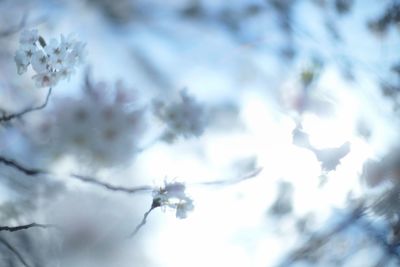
(40, 62)
(173, 195)
(52, 61)
(45, 79)
(77, 53)
(29, 37)
(65, 73)
(56, 54)
(22, 62)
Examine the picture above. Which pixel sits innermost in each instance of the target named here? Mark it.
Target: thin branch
(232, 181)
(9, 117)
(144, 220)
(18, 166)
(26, 226)
(13, 250)
(111, 187)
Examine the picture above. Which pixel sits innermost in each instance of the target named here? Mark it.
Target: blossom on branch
(52, 62)
(173, 195)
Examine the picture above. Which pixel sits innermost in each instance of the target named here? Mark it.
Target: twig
(26, 226)
(9, 117)
(128, 190)
(232, 181)
(154, 205)
(18, 166)
(13, 250)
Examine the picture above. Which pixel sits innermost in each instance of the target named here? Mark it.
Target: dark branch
(154, 205)
(13, 250)
(128, 190)
(18, 166)
(27, 226)
(9, 117)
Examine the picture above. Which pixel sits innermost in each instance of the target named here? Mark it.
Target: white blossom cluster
(173, 195)
(101, 128)
(53, 61)
(185, 118)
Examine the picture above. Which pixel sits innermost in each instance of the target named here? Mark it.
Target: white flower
(23, 57)
(22, 61)
(52, 62)
(45, 79)
(77, 53)
(173, 195)
(40, 62)
(67, 43)
(56, 54)
(29, 36)
(65, 73)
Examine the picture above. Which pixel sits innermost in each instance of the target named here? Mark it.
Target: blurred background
(207, 93)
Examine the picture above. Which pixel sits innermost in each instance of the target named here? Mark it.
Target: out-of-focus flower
(52, 62)
(173, 195)
(101, 128)
(185, 118)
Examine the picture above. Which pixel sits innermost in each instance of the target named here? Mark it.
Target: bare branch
(26, 226)
(233, 181)
(13, 250)
(18, 166)
(9, 117)
(154, 205)
(128, 190)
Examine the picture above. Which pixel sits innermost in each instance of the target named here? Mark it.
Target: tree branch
(9, 117)
(13, 250)
(18, 166)
(26, 226)
(233, 181)
(154, 205)
(111, 187)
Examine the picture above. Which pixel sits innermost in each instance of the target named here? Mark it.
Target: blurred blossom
(185, 118)
(100, 128)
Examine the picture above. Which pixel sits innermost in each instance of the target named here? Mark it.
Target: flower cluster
(53, 61)
(102, 128)
(173, 195)
(186, 117)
